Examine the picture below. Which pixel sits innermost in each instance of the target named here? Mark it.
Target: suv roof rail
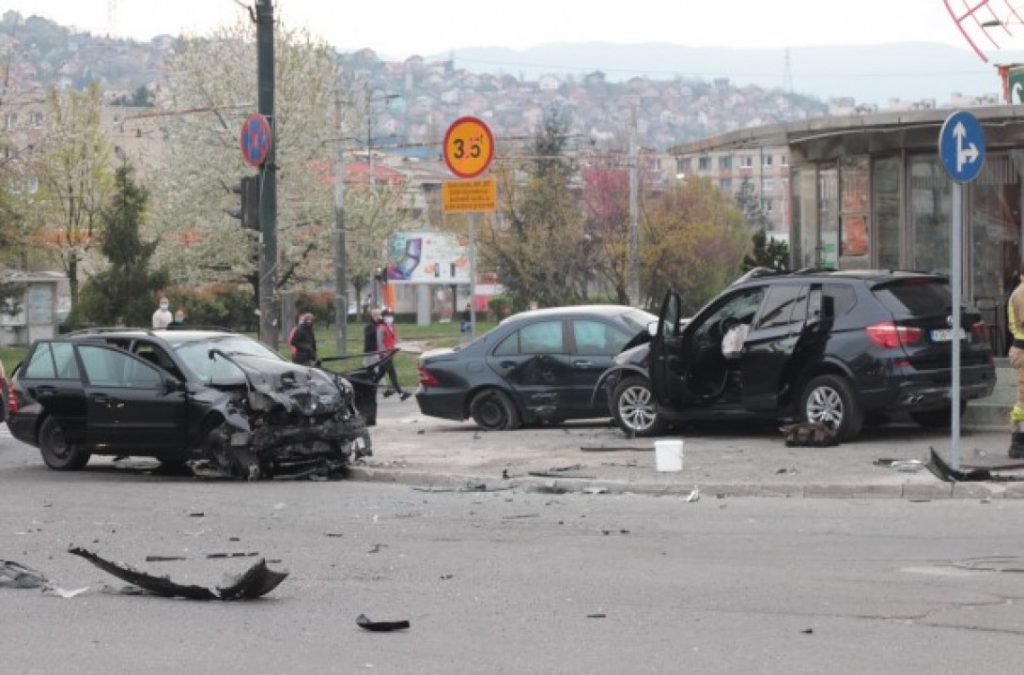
(814, 270)
(108, 329)
(755, 273)
(197, 326)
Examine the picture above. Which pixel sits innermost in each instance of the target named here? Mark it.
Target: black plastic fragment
(365, 623)
(945, 472)
(258, 580)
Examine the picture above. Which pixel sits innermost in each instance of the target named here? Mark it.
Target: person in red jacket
(387, 338)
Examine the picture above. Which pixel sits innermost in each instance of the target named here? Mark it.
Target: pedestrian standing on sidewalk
(1015, 316)
(162, 317)
(387, 338)
(304, 341)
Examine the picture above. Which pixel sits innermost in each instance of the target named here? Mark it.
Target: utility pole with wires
(340, 253)
(634, 217)
(268, 179)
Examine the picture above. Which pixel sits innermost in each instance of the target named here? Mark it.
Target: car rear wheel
(635, 409)
(493, 410)
(936, 419)
(58, 454)
(829, 400)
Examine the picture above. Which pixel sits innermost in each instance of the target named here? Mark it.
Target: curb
(908, 491)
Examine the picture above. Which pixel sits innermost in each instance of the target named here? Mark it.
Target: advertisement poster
(428, 258)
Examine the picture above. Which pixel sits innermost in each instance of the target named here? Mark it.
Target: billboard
(428, 258)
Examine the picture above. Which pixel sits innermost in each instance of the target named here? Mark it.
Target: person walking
(1015, 316)
(370, 336)
(162, 317)
(467, 320)
(304, 341)
(387, 338)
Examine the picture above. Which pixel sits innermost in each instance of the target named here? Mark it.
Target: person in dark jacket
(304, 341)
(370, 335)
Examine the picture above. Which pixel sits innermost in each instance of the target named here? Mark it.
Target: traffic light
(248, 211)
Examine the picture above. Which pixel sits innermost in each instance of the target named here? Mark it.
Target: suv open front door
(666, 365)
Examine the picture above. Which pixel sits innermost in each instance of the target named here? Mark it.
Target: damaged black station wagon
(219, 402)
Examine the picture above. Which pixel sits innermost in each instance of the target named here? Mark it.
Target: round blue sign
(255, 139)
(962, 146)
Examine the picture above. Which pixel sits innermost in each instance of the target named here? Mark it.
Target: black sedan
(537, 366)
(218, 402)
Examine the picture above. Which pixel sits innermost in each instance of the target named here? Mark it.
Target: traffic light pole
(268, 178)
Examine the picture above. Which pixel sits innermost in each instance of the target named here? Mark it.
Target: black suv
(817, 346)
(214, 400)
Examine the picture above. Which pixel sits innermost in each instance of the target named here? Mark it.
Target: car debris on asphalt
(809, 435)
(255, 582)
(903, 465)
(366, 623)
(16, 575)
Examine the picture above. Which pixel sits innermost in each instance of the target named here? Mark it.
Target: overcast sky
(400, 28)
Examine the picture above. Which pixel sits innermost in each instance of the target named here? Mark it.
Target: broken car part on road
(255, 582)
(380, 626)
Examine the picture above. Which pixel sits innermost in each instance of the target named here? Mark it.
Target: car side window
(64, 361)
(509, 346)
(157, 356)
(40, 366)
(110, 368)
(781, 306)
(594, 338)
(740, 307)
(543, 337)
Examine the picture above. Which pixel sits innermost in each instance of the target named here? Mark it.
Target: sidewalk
(719, 460)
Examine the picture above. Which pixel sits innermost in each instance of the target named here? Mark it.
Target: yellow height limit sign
(469, 196)
(468, 147)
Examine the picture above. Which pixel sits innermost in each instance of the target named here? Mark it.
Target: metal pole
(634, 224)
(340, 253)
(268, 192)
(955, 281)
(472, 275)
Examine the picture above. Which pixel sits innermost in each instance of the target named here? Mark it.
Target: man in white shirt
(162, 317)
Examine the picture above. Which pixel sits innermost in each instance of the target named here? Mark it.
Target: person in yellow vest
(1015, 312)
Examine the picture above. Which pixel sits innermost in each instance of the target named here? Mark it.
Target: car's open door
(666, 362)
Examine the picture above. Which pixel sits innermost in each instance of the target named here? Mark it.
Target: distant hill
(869, 73)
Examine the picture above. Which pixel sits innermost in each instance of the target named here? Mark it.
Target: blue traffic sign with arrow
(962, 146)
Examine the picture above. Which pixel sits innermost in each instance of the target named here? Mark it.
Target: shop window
(855, 245)
(805, 217)
(828, 218)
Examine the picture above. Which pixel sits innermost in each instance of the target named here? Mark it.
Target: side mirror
(172, 385)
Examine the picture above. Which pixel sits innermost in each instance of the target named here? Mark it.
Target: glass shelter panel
(805, 217)
(930, 214)
(828, 217)
(885, 178)
(855, 202)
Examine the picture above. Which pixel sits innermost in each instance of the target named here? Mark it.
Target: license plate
(946, 335)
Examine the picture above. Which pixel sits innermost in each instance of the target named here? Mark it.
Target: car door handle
(45, 390)
(100, 398)
(581, 364)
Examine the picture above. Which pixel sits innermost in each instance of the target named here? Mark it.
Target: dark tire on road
(493, 410)
(635, 409)
(56, 452)
(936, 419)
(829, 400)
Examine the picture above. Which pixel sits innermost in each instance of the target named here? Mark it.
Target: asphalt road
(506, 581)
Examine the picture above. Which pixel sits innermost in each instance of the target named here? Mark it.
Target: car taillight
(427, 378)
(888, 335)
(979, 331)
(12, 398)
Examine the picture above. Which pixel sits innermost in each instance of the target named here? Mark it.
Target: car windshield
(196, 355)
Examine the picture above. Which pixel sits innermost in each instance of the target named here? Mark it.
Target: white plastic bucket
(668, 455)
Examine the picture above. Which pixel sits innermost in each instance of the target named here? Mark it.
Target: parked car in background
(215, 400)
(537, 366)
(818, 346)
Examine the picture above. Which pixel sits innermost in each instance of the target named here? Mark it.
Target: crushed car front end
(287, 421)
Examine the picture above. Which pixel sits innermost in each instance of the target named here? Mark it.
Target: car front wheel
(58, 454)
(829, 400)
(635, 409)
(493, 410)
